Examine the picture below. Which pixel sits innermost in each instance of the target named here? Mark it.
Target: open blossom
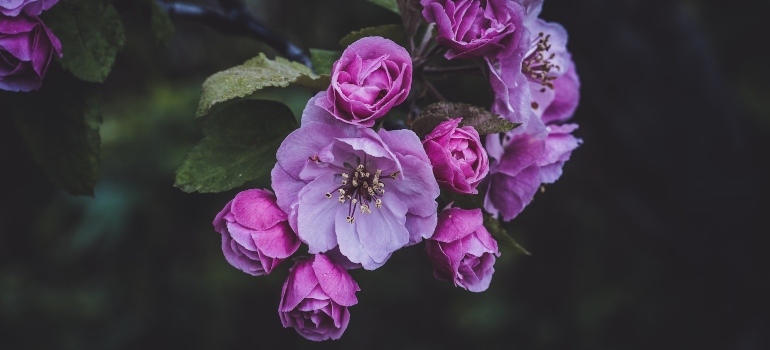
(12, 8)
(475, 28)
(315, 298)
(538, 83)
(458, 158)
(522, 162)
(26, 48)
(462, 250)
(255, 234)
(368, 193)
(373, 75)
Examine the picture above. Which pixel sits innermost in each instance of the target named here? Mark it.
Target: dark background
(652, 238)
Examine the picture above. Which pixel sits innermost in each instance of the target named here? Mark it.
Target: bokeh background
(652, 239)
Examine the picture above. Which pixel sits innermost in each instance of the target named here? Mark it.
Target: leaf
(160, 24)
(60, 125)
(483, 121)
(411, 15)
(323, 60)
(239, 145)
(91, 34)
(388, 4)
(393, 32)
(257, 73)
(498, 232)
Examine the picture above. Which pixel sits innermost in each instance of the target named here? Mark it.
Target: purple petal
(257, 209)
(315, 219)
(335, 281)
(455, 223)
(298, 285)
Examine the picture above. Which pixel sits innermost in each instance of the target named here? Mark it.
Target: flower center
(360, 188)
(538, 65)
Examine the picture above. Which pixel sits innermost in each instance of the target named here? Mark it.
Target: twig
(236, 20)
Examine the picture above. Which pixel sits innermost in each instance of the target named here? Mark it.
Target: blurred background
(652, 238)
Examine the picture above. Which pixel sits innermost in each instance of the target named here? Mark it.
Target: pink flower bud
(459, 160)
(373, 75)
(26, 49)
(315, 298)
(256, 235)
(462, 250)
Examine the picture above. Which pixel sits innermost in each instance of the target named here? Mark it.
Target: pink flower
(458, 158)
(368, 193)
(475, 28)
(26, 49)
(12, 8)
(255, 234)
(522, 162)
(462, 250)
(315, 298)
(373, 75)
(538, 84)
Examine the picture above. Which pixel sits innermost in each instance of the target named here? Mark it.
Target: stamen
(328, 195)
(393, 176)
(350, 219)
(378, 203)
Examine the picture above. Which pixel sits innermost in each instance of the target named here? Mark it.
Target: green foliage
(393, 32)
(388, 4)
(91, 34)
(498, 232)
(60, 126)
(238, 82)
(323, 60)
(239, 145)
(483, 121)
(160, 24)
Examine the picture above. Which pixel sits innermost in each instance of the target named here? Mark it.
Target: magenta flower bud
(373, 75)
(476, 28)
(256, 235)
(26, 48)
(315, 298)
(459, 160)
(12, 8)
(462, 250)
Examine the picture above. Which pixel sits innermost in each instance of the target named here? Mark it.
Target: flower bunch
(26, 44)
(355, 192)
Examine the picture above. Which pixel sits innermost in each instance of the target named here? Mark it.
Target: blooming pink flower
(458, 158)
(255, 234)
(315, 298)
(462, 250)
(373, 75)
(12, 8)
(370, 193)
(26, 49)
(475, 28)
(538, 84)
(522, 162)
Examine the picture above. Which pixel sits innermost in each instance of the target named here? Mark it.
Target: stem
(236, 20)
(433, 91)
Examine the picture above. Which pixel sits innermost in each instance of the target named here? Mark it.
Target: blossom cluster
(26, 44)
(355, 195)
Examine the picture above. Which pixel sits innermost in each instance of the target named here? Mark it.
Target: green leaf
(60, 125)
(323, 60)
(498, 232)
(91, 34)
(160, 24)
(239, 82)
(483, 121)
(411, 14)
(393, 32)
(388, 4)
(239, 145)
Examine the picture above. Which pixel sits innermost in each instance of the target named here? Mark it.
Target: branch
(236, 20)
